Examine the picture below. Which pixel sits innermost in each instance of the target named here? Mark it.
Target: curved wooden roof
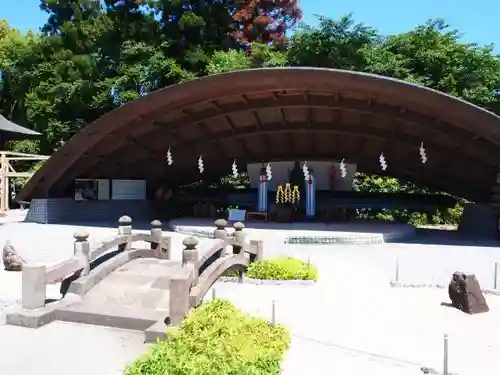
(285, 114)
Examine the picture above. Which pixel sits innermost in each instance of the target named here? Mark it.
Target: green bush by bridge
(216, 339)
(281, 268)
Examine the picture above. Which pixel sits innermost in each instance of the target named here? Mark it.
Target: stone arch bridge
(120, 285)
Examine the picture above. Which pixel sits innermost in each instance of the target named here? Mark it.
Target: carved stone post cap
(125, 220)
(190, 242)
(238, 225)
(220, 223)
(156, 224)
(81, 235)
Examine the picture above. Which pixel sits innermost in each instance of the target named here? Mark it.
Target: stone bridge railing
(36, 277)
(188, 280)
(228, 252)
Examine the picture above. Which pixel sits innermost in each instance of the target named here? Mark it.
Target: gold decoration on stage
(280, 194)
(295, 194)
(288, 193)
(285, 194)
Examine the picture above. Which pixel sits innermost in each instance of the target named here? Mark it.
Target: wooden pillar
(4, 183)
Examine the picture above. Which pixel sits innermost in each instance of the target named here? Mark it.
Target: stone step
(108, 293)
(152, 323)
(148, 266)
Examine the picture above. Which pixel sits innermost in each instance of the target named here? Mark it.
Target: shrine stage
(355, 233)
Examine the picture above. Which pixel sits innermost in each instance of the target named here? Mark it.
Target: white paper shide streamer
(269, 173)
(235, 169)
(200, 164)
(343, 169)
(169, 158)
(305, 169)
(423, 153)
(383, 162)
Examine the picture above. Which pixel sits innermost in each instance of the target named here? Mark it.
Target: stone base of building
(480, 221)
(62, 210)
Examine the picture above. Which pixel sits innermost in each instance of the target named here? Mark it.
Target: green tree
(431, 54)
(341, 44)
(16, 50)
(262, 56)
(434, 56)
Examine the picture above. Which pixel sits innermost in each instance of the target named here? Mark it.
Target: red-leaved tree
(264, 21)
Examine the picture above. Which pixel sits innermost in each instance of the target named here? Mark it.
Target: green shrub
(282, 268)
(233, 272)
(216, 339)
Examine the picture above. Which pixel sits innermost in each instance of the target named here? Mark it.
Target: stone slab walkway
(140, 284)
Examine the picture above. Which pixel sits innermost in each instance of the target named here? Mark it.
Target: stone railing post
(160, 246)
(180, 286)
(258, 247)
(81, 249)
(190, 257)
(34, 283)
(156, 234)
(125, 229)
(221, 233)
(239, 237)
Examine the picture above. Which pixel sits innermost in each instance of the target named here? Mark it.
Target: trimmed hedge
(216, 339)
(282, 268)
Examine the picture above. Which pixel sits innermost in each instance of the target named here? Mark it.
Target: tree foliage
(265, 21)
(92, 56)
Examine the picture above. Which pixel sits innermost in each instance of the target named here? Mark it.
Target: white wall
(128, 189)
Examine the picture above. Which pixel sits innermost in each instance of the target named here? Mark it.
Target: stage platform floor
(357, 233)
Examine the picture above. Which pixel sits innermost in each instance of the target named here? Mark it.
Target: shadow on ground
(428, 236)
(67, 282)
(424, 236)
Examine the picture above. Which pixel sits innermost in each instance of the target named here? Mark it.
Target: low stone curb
(375, 239)
(193, 232)
(334, 240)
(229, 279)
(396, 284)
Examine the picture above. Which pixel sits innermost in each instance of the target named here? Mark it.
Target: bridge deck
(139, 284)
(134, 296)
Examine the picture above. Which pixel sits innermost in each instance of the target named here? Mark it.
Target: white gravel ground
(350, 322)
(68, 348)
(362, 330)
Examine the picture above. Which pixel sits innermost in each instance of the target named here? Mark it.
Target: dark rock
(12, 261)
(466, 295)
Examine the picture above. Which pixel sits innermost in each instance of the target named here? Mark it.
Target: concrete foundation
(479, 221)
(64, 210)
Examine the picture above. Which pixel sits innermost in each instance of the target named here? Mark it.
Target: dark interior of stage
(247, 199)
(330, 206)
